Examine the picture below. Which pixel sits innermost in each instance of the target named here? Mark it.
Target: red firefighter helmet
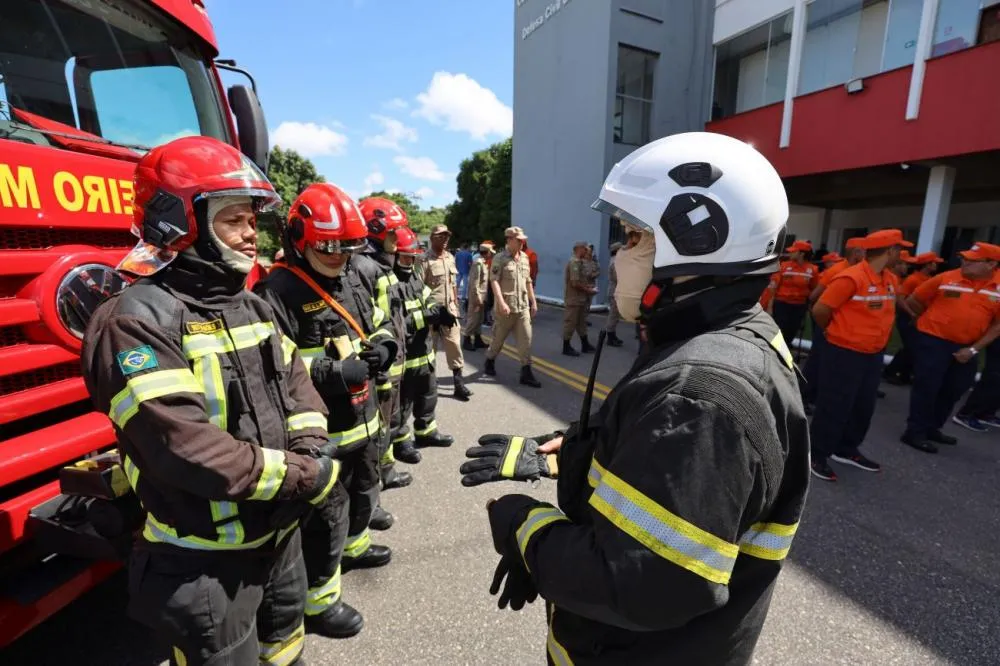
(407, 242)
(326, 219)
(171, 181)
(382, 216)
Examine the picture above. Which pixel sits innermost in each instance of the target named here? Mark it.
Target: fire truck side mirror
(250, 124)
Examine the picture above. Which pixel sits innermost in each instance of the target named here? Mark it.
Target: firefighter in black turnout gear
(346, 341)
(419, 392)
(679, 499)
(218, 426)
(383, 217)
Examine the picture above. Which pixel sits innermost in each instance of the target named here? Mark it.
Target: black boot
(374, 557)
(338, 621)
(568, 349)
(586, 347)
(462, 391)
(381, 519)
(393, 478)
(614, 340)
(434, 439)
(491, 368)
(480, 343)
(468, 344)
(406, 452)
(528, 378)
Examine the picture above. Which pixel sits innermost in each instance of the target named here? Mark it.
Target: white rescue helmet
(714, 204)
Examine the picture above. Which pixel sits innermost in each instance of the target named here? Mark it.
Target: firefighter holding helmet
(346, 341)
(219, 428)
(678, 500)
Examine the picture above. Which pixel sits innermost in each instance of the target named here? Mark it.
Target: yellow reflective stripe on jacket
(356, 546)
(426, 293)
(179, 657)
(208, 370)
(288, 349)
(382, 290)
(150, 386)
(779, 345)
(378, 315)
(418, 320)
(665, 533)
(220, 342)
(557, 652)
(131, 473)
(305, 420)
(271, 477)
(357, 433)
(420, 361)
(539, 517)
(413, 304)
(768, 541)
(334, 475)
(396, 369)
(381, 333)
(157, 532)
(321, 597)
(226, 517)
(310, 354)
(284, 652)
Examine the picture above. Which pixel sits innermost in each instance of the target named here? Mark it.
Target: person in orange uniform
(900, 371)
(830, 259)
(856, 312)
(532, 264)
(957, 318)
(853, 254)
(790, 288)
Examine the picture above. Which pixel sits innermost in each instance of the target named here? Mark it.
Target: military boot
(381, 519)
(393, 478)
(491, 368)
(480, 343)
(374, 557)
(338, 621)
(614, 340)
(568, 349)
(462, 391)
(406, 452)
(434, 439)
(586, 347)
(528, 378)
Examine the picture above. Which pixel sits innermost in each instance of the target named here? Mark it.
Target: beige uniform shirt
(514, 276)
(479, 282)
(574, 274)
(440, 275)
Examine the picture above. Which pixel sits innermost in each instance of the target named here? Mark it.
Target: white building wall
(735, 16)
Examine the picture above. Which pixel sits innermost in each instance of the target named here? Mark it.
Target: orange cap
(858, 242)
(927, 258)
(884, 238)
(799, 246)
(982, 252)
(832, 256)
(904, 255)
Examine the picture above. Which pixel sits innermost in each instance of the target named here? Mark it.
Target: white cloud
(393, 134)
(460, 104)
(425, 192)
(423, 168)
(309, 139)
(373, 180)
(397, 104)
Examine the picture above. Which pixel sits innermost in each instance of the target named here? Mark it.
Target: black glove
(506, 515)
(519, 588)
(354, 371)
(286, 512)
(377, 359)
(503, 457)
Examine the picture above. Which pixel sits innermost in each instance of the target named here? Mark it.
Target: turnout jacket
(354, 420)
(215, 415)
(374, 267)
(421, 314)
(678, 507)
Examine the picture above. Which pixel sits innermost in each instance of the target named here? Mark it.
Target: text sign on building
(551, 9)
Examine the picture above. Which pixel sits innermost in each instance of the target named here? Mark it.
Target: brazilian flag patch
(135, 360)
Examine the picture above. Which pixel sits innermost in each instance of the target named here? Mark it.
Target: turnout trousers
(939, 381)
(418, 398)
(389, 405)
(845, 401)
(222, 608)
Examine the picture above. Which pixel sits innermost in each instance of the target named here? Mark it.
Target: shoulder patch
(196, 327)
(135, 360)
(315, 306)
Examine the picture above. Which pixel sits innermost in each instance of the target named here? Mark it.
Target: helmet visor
(263, 199)
(626, 217)
(351, 246)
(146, 259)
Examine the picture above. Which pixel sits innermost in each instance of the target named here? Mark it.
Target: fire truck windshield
(116, 69)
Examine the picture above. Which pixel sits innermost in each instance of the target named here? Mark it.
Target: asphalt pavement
(890, 568)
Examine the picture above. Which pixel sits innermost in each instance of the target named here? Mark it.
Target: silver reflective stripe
(208, 370)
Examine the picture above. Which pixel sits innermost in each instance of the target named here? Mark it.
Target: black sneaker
(822, 470)
(939, 437)
(859, 461)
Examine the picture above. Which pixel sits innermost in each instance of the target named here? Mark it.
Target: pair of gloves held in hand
(368, 363)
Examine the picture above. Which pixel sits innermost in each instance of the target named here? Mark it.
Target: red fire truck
(86, 86)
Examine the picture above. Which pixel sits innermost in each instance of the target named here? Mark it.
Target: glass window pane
(957, 22)
(830, 41)
(901, 35)
(751, 69)
(633, 101)
(635, 121)
(166, 95)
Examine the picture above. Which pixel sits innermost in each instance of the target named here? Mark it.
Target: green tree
(290, 173)
(494, 216)
(472, 180)
(421, 220)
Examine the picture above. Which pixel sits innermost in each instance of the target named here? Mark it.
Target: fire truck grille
(28, 380)
(14, 238)
(10, 336)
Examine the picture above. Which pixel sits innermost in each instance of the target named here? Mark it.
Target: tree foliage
(495, 214)
(290, 173)
(421, 220)
(484, 185)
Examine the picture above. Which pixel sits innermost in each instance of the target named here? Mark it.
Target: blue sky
(379, 94)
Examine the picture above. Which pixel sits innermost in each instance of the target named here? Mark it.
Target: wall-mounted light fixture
(854, 86)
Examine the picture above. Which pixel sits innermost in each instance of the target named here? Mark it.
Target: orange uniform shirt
(833, 271)
(864, 308)
(958, 309)
(532, 264)
(795, 282)
(913, 281)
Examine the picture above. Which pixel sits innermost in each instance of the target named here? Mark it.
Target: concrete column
(925, 39)
(937, 204)
(794, 64)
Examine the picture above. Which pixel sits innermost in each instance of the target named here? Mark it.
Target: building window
(634, 95)
(957, 25)
(751, 69)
